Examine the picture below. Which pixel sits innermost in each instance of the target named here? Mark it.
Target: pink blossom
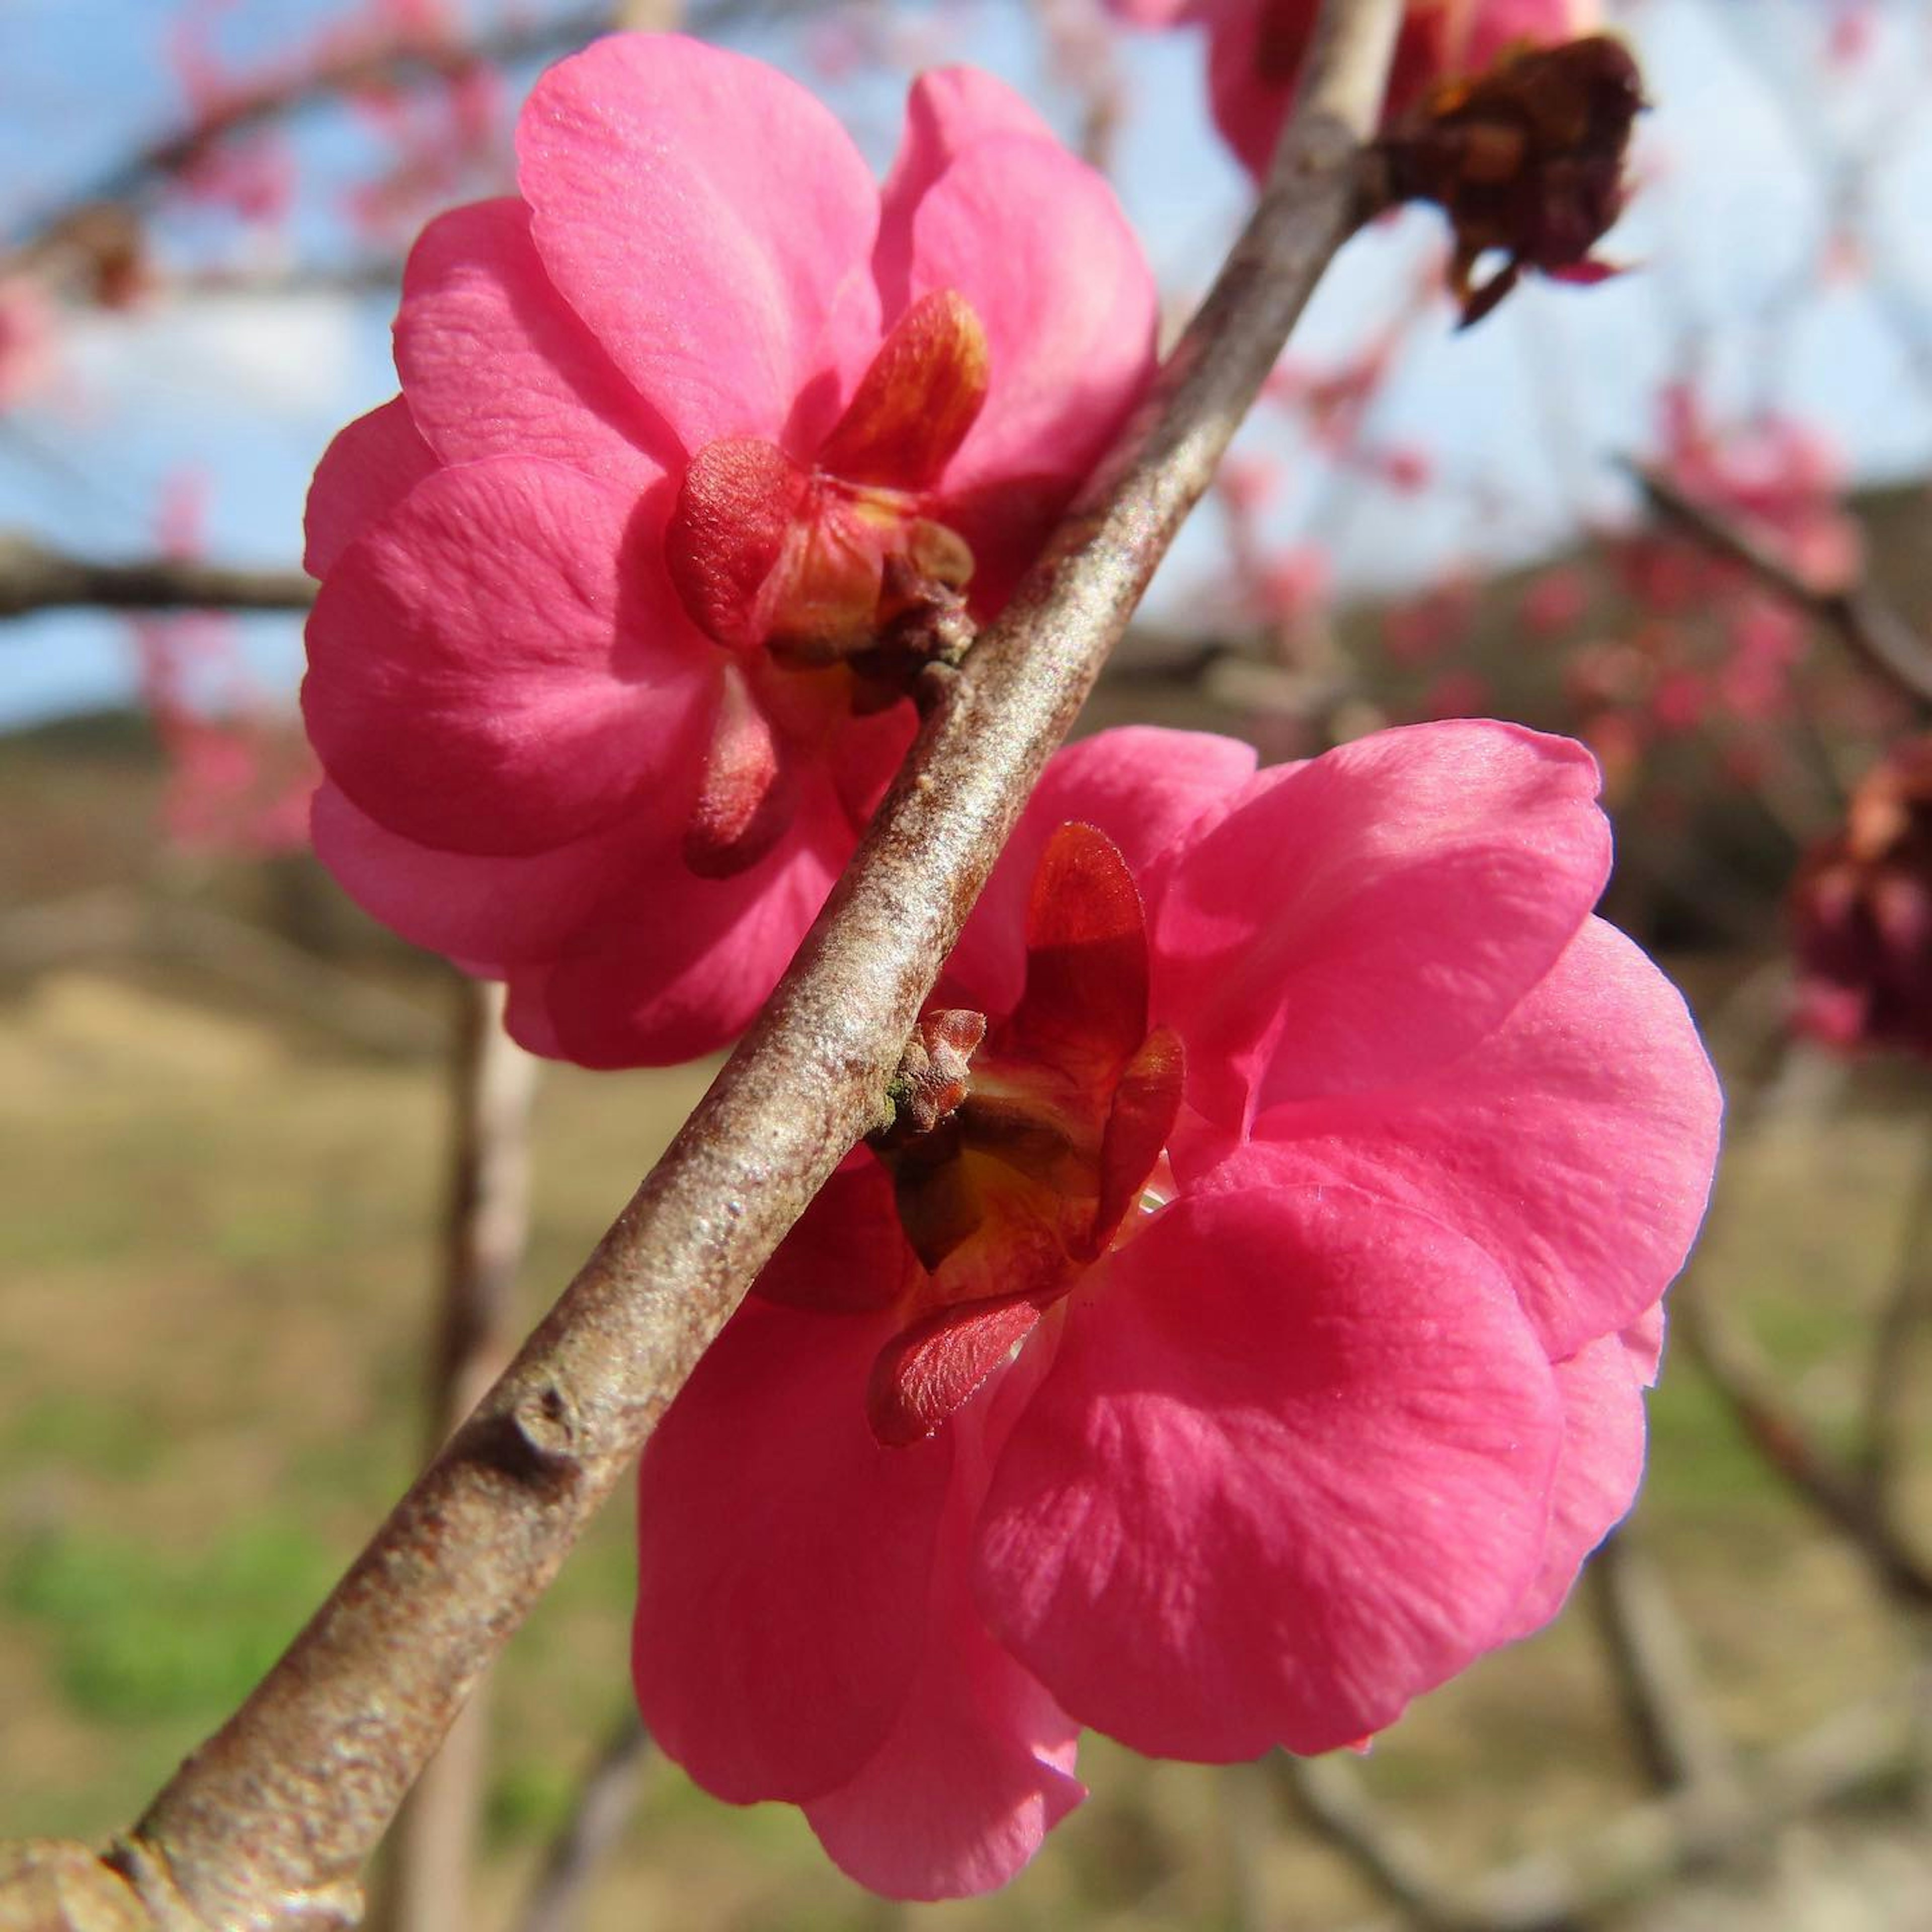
(690, 431)
(1459, 694)
(1261, 1341)
(1556, 602)
(1256, 47)
(1778, 478)
(27, 334)
(239, 776)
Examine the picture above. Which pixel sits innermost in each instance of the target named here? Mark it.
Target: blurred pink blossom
(1256, 48)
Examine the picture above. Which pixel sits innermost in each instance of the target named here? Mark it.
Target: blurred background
(1683, 515)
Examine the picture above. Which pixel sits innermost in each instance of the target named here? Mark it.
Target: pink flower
(1256, 48)
(1261, 1341)
(691, 433)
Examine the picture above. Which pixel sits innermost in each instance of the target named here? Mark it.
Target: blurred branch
(1655, 1673)
(1886, 1412)
(114, 922)
(604, 1805)
(268, 1823)
(1861, 1748)
(405, 60)
(1329, 1794)
(493, 1083)
(1876, 633)
(33, 577)
(1727, 1355)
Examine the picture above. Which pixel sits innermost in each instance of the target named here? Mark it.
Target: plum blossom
(1253, 1336)
(705, 440)
(1861, 913)
(1256, 48)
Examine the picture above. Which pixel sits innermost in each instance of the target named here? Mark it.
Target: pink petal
(1140, 785)
(1597, 1472)
(1034, 240)
(978, 1768)
(1643, 1341)
(371, 465)
(1575, 1143)
(1139, 1124)
(501, 666)
(917, 401)
(927, 1371)
(703, 214)
(1084, 1007)
(496, 363)
(488, 911)
(1351, 923)
(948, 110)
(1290, 1468)
(847, 1252)
(784, 1559)
(679, 969)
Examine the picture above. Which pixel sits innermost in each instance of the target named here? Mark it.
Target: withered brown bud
(923, 620)
(1861, 913)
(1526, 159)
(934, 1072)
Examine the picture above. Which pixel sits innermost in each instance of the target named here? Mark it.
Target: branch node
(545, 1425)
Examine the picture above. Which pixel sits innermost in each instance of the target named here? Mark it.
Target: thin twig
(1649, 1651)
(112, 922)
(34, 578)
(1882, 640)
(432, 1850)
(403, 60)
(1885, 1414)
(268, 1824)
(604, 1805)
(1731, 1360)
(1861, 1748)
(1330, 1795)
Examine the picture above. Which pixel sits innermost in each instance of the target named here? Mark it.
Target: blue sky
(1523, 415)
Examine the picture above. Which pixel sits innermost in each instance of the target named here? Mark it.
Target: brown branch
(604, 1805)
(1727, 1356)
(1886, 1413)
(1860, 1749)
(1882, 640)
(426, 1885)
(112, 922)
(1329, 1794)
(1649, 1654)
(268, 1823)
(34, 578)
(404, 61)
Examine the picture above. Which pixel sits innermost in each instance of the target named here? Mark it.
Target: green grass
(136, 1632)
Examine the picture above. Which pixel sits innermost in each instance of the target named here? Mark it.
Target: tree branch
(1881, 639)
(604, 1805)
(34, 578)
(1329, 1795)
(1728, 1357)
(268, 1823)
(404, 60)
(1861, 1748)
(426, 1881)
(1655, 1674)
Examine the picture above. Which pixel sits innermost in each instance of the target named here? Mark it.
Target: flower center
(808, 567)
(1057, 1142)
